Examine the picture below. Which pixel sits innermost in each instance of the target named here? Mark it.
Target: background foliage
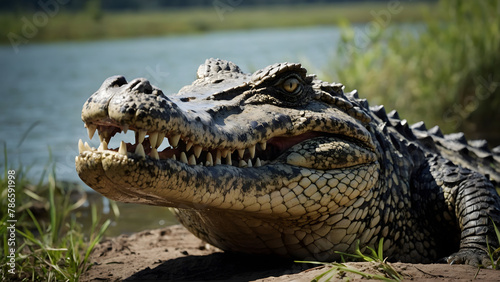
(445, 73)
(139, 5)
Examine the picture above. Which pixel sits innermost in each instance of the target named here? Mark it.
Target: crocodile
(278, 162)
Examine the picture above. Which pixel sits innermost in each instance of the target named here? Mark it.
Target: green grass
(86, 26)
(50, 243)
(376, 257)
(494, 254)
(447, 74)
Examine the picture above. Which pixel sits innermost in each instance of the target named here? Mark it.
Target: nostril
(141, 85)
(116, 81)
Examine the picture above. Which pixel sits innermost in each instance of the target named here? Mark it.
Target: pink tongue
(285, 143)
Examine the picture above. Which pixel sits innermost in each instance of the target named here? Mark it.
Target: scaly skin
(278, 162)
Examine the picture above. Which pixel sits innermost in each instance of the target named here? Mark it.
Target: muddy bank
(174, 254)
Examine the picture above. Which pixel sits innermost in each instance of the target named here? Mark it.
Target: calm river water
(44, 86)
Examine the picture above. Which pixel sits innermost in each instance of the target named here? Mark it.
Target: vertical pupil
(290, 85)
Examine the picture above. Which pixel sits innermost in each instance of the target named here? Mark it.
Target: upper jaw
(193, 135)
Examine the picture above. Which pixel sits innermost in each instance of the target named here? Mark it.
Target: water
(44, 86)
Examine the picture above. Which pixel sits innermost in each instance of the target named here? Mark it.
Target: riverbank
(174, 254)
(59, 25)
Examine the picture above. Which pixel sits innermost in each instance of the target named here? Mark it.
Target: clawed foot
(475, 257)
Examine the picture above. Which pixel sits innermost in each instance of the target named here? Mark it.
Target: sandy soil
(174, 254)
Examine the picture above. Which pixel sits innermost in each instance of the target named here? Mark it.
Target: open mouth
(188, 151)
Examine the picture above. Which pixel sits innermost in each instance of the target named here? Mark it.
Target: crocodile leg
(472, 203)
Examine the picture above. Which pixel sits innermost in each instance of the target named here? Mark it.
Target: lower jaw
(174, 184)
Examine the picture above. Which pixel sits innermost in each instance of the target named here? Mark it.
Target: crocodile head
(255, 162)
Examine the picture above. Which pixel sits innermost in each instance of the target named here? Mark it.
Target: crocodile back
(475, 155)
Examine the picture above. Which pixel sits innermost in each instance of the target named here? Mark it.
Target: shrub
(444, 71)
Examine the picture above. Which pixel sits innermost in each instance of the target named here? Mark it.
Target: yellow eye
(291, 84)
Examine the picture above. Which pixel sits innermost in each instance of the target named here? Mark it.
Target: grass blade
(53, 210)
(381, 249)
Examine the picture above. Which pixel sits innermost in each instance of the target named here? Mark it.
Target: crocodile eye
(291, 84)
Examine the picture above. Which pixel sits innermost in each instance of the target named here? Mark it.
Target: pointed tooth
(210, 160)
(224, 153)
(192, 160)
(81, 147)
(242, 163)
(87, 146)
(174, 158)
(249, 163)
(123, 149)
(139, 150)
(91, 130)
(197, 150)
(228, 159)
(161, 136)
(251, 150)
(174, 140)
(184, 158)
(154, 154)
(257, 163)
(153, 138)
(263, 145)
(241, 153)
(218, 158)
(140, 136)
(189, 144)
(125, 128)
(103, 146)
